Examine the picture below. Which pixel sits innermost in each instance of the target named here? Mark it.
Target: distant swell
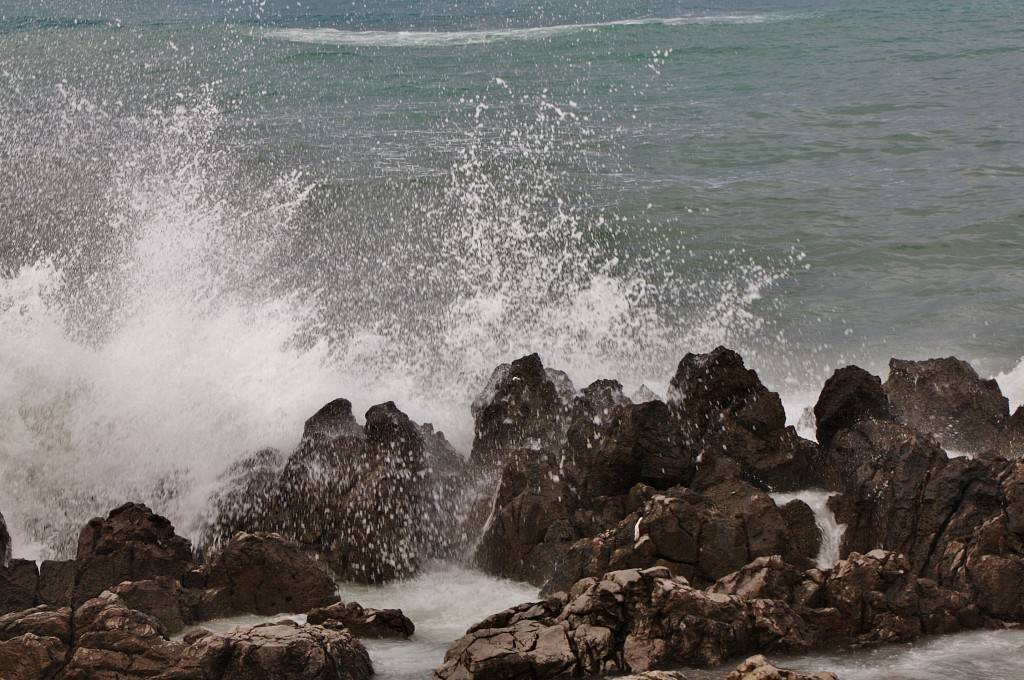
(333, 36)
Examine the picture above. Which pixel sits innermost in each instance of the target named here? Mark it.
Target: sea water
(215, 216)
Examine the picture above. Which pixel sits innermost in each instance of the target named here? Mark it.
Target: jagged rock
(5, 542)
(330, 493)
(850, 396)
(523, 408)
(265, 574)
(18, 583)
(654, 675)
(722, 409)
(131, 544)
(43, 621)
(628, 620)
(363, 623)
(270, 651)
(768, 578)
(161, 598)
(699, 536)
(113, 641)
(56, 582)
(947, 399)
(759, 668)
(31, 657)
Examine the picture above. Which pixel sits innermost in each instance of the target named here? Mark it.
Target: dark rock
(628, 620)
(523, 408)
(161, 598)
(759, 668)
(265, 574)
(44, 621)
(18, 583)
(31, 657)
(248, 500)
(766, 578)
(804, 532)
(363, 623)
(722, 409)
(333, 421)
(5, 542)
(947, 399)
(850, 396)
(132, 544)
(57, 582)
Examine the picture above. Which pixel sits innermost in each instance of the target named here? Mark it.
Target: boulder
(759, 668)
(131, 544)
(362, 622)
(850, 396)
(18, 583)
(265, 574)
(31, 657)
(43, 621)
(5, 542)
(947, 399)
(162, 598)
(722, 409)
(627, 621)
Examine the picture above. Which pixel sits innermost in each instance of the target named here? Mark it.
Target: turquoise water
(216, 216)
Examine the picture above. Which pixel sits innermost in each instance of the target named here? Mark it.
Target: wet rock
(31, 657)
(655, 675)
(18, 582)
(5, 542)
(276, 650)
(629, 620)
(56, 582)
(769, 578)
(850, 396)
(248, 500)
(43, 621)
(265, 574)
(759, 668)
(722, 409)
(362, 622)
(523, 408)
(131, 544)
(947, 399)
(161, 598)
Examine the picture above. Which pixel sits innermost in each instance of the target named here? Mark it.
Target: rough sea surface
(217, 215)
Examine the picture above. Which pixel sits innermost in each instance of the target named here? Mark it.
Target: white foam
(333, 36)
(1012, 385)
(831, 531)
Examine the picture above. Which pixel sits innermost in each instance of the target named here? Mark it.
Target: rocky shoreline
(648, 524)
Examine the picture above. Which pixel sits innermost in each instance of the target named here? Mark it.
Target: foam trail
(333, 36)
(1012, 385)
(831, 530)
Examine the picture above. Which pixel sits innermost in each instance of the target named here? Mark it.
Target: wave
(334, 36)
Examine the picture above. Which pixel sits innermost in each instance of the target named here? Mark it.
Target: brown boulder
(18, 583)
(362, 622)
(131, 544)
(161, 598)
(850, 396)
(44, 621)
(56, 582)
(759, 668)
(31, 657)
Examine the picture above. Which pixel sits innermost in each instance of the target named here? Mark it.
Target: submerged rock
(362, 622)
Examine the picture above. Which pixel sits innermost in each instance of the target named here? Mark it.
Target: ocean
(217, 215)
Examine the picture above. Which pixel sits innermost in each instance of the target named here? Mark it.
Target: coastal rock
(56, 582)
(42, 621)
(759, 668)
(31, 657)
(162, 598)
(629, 620)
(5, 542)
(131, 544)
(850, 396)
(947, 399)
(270, 651)
(18, 583)
(362, 622)
(722, 409)
(265, 574)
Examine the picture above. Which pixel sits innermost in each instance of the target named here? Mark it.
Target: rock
(265, 574)
(759, 668)
(363, 623)
(248, 500)
(18, 582)
(654, 675)
(56, 582)
(523, 408)
(5, 542)
(850, 396)
(31, 657)
(269, 651)
(43, 621)
(131, 544)
(947, 399)
(161, 598)
(766, 578)
(722, 409)
(113, 641)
